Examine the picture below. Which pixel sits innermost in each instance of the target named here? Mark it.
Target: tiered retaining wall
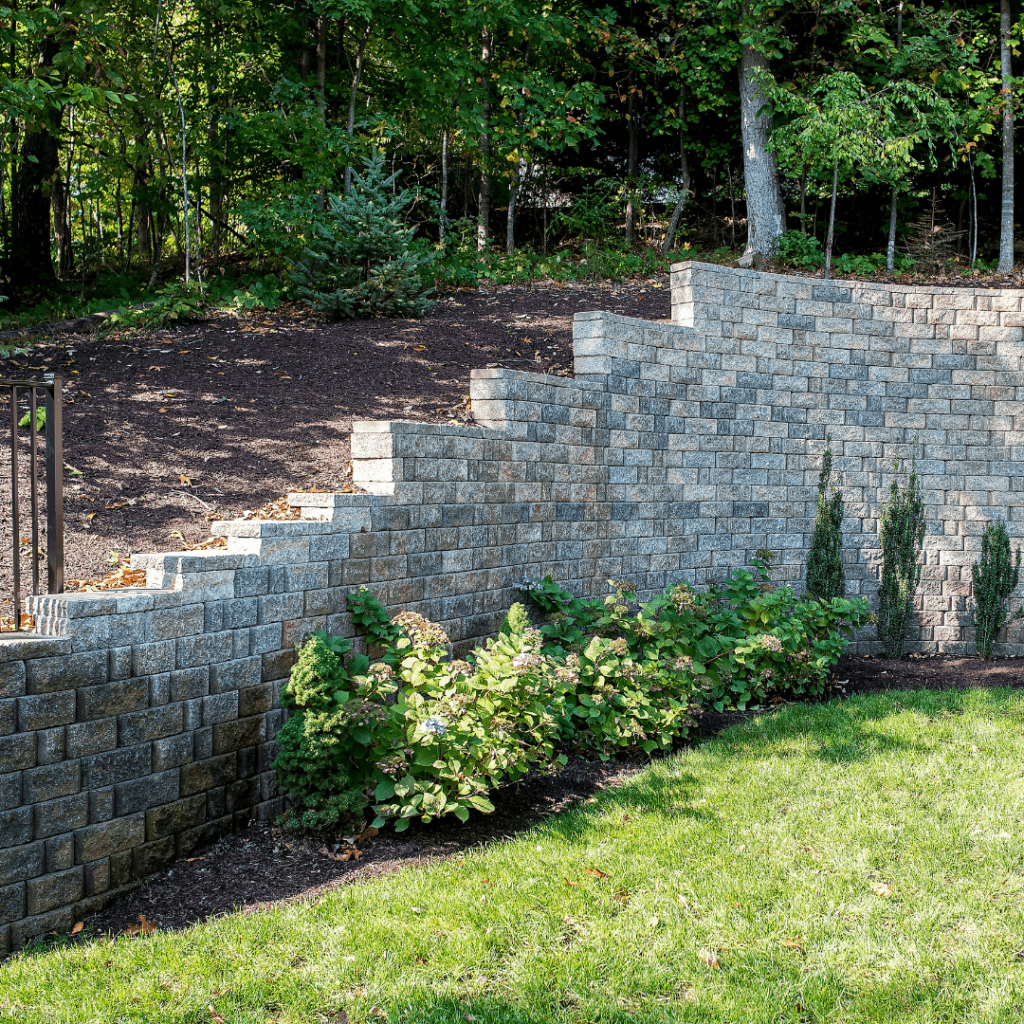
(138, 724)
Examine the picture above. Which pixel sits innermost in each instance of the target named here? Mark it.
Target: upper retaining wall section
(136, 724)
(876, 366)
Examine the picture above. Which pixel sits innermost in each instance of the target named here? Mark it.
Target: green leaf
(385, 791)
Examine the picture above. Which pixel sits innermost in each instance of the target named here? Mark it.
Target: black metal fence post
(54, 458)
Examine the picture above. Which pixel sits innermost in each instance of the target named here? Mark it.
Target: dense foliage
(428, 735)
(995, 579)
(145, 138)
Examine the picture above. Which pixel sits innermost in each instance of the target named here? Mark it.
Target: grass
(856, 861)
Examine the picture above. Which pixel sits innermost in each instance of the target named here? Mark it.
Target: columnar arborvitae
(825, 576)
(995, 579)
(901, 528)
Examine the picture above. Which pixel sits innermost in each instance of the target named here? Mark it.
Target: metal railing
(54, 469)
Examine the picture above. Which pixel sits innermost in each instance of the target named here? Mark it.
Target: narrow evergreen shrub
(825, 576)
(901, 529)
(361, 260)
(311, 764)
(995, 579)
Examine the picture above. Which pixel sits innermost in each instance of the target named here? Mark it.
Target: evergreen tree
(362, 261)
(995, 579)
(825, 576)
(901, 528)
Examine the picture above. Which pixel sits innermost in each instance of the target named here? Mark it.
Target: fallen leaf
(144, 927)
(116, 504)
(185, 480)
(880, 889)
(161, 409)
(79, 925)
(595, 872)
(575, 885)
(791, 944)
(708, 958)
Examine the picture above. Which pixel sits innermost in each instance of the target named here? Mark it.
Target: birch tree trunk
(442, 223)
(483, 224)
(831, 222)
(1006, 221)
(684, 195)
(631, 165)
(766, 215)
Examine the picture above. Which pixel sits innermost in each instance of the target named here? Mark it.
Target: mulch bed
(223, 416)
(262, 867)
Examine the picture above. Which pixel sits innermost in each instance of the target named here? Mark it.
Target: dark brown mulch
(226, 415)
(262, 867)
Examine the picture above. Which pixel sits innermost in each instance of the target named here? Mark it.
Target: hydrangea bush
(421, 734)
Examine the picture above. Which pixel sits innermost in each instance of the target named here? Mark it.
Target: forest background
(204, 140)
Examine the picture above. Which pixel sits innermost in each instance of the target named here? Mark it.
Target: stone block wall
(138, 724)
(887, 371)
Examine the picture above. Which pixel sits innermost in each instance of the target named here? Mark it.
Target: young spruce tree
(825, 576)
(361, 261)
(901, 528)
(995, 579)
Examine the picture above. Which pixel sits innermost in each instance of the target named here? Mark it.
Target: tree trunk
(890, 249)
(442, 225)
(1006, 221)
(357, 74)
(684, 195)
(631, 165)
(766, 215)
(831, 222)
(62, 228)
(483, 226)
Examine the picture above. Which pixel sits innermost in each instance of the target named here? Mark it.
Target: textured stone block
(19, 863)
(207, 774)
(60, 853)
(245, 732)
(52, 781)
(45, 711)
(12, 903)
(52, 891)
(12, 678)
(45, 675)
(175, 817)
(140, 794)
(112, 699)
(61, 815)
(91, 737)
(17, 752)
(152, 724)
(98, 841)
(114, 766)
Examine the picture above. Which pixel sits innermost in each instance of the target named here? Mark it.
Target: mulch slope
(262, 867)
(225, 415)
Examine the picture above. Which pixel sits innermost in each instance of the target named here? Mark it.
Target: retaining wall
(136, 725)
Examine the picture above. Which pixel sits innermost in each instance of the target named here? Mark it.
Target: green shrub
(901, 527)
(801, 251)
(995, 579)
(825, 576)
(312, 762)
(737, 643)
(176, 303)
(361, 260)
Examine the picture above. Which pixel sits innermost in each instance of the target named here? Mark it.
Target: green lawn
(856, 861)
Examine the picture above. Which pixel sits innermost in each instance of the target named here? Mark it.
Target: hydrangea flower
(767, 642)
(435, 725)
